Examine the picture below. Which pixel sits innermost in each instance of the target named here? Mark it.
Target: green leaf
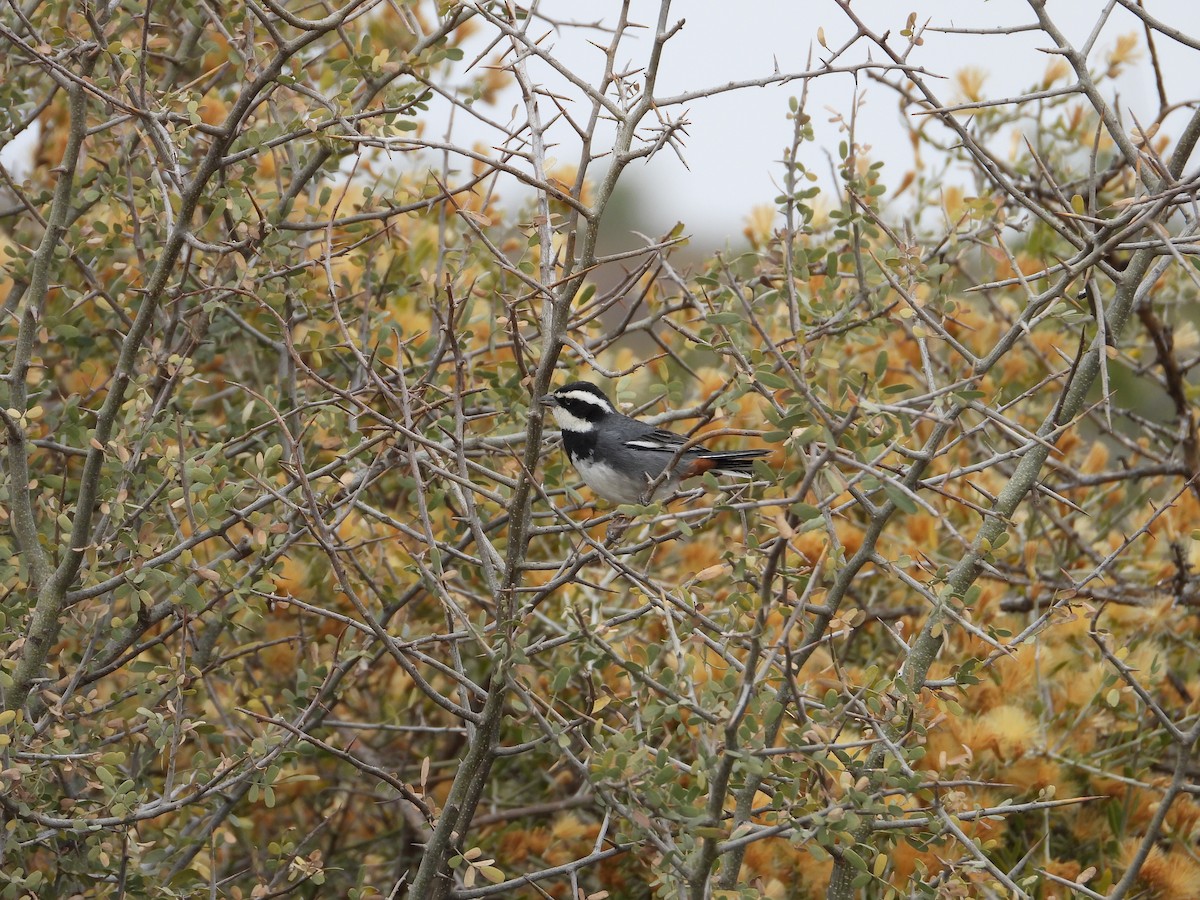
(852, 857)
(723, 318)
(771, 380)
(805, 511)
(898, 496)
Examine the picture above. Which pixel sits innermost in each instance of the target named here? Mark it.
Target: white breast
(610, 484)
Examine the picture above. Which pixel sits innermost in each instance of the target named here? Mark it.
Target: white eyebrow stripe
(586, 398)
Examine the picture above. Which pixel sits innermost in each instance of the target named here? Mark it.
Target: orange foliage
(1167, 875)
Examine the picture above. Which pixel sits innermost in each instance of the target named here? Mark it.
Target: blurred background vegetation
(296, 596)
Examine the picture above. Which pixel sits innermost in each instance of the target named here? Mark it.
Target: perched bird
(619, 457)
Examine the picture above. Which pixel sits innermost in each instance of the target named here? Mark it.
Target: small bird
(619, 457)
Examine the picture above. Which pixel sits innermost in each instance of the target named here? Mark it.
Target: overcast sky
(737, 139)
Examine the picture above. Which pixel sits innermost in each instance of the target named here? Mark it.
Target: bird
(619, 457)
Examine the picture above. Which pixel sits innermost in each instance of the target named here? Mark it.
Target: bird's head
(578, 406)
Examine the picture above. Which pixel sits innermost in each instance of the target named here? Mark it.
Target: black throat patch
(579, 444)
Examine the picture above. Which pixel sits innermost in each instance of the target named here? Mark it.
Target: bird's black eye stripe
(582, 409)
(583, 402)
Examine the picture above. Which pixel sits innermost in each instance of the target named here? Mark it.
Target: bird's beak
(548, 400)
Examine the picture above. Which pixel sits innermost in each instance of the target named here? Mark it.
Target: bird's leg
(616, 530)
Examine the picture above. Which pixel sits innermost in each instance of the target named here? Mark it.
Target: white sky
(736, 139)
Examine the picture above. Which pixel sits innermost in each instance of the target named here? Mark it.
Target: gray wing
(659, 440)
(642, 451)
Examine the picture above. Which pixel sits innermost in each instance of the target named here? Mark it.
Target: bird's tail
(735, 462)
